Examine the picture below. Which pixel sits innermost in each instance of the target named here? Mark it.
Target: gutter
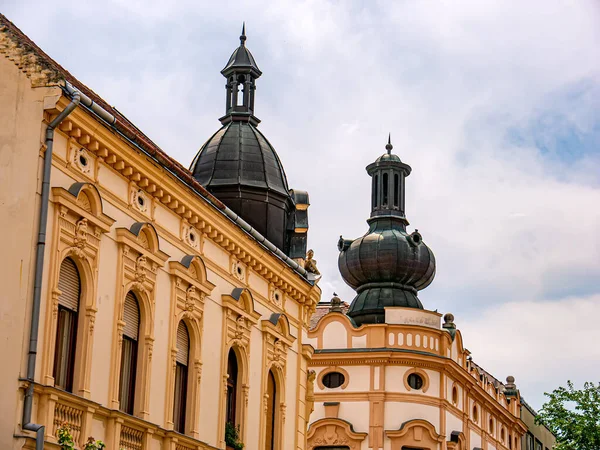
(39, 270)
(186, 178)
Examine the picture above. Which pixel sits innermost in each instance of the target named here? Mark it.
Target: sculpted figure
(311, 264)
(81, 232)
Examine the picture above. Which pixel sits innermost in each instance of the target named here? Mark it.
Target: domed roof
(239, 154)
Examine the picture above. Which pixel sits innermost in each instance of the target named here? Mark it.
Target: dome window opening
(396, 190)
(415, 381)
(384, 198)
(333, 380)
(375, 190)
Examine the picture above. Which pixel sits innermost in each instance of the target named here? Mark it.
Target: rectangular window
(64, 356)
(396, 190)
(127, 380)
(385, 186)
(179, 404)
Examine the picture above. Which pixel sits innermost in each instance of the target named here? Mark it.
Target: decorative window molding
(334, 432)
(79, 225)
(139, 260)
(139, 199)
(81, 159)
(276, 296)
(457, 441)
(416, 433)
(191, 236)
(277, 340)
(189, 289)
(239, 270)
(239, 316)
(422, 374)
(333, 369)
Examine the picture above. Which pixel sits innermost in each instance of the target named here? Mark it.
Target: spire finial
(389, 145)
(243, 36)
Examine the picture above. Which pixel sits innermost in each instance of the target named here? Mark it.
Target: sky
(494, 104)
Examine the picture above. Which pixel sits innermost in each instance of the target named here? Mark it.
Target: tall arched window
(131, 317)
(232, 381)
(375, 191)
(181, 377)
(271, 411)
(396, 190)
(384, 182)
(69, 285)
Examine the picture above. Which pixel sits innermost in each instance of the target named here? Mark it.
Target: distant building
(538, 437)
(389, 374)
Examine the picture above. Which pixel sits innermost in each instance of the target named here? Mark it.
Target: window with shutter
(69, 286)
(181, 377)
(129, 351)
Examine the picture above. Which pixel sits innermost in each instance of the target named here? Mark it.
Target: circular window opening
(455, 395)
(239, 270)
(415, 381)
(141, 201)
(475, 414)
(83, 160)
(192, 237)
(277, 297)
(333, 380)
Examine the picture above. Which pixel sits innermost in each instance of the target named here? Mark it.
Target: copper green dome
(387, 266)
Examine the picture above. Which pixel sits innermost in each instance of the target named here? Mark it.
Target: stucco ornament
(190, 298)
(278, 350)
(81, 233)
(310, 392)
(240, 327)
(140, 269)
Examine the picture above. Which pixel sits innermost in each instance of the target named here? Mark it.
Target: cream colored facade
(538, 437)
(130, 225)
(458, 406)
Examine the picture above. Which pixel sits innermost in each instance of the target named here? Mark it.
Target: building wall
(225, 258)
(376, 408)
(21, 112)
(538, 435)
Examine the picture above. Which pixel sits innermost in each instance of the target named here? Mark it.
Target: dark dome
(239, 154)
(386, 267)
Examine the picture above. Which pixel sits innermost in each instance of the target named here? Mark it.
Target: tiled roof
(322, 309)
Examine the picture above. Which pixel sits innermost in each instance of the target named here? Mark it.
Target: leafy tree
(573, 416)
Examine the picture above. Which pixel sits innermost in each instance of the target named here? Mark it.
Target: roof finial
(389, 145)
(243, 36)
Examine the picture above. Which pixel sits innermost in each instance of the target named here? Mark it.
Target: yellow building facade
(162, 316)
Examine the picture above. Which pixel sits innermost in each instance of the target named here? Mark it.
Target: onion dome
(387, 266)
(240, 167)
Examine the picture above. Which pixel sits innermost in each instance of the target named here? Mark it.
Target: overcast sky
(494, 104)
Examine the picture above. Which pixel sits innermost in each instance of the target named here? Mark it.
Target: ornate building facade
(145, 304)
(160, 308)
(389, 375)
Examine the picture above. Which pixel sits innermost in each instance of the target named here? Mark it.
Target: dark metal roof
(239, 154)
(241, 59)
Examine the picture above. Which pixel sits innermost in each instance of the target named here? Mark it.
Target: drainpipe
(39, 270)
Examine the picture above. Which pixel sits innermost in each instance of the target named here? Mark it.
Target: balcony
(86, 418)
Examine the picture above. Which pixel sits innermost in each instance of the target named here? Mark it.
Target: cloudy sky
(495, 105)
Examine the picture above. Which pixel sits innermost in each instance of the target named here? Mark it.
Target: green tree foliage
(573, 416)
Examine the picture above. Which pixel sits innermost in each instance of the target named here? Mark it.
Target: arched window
(69, 285)
(385, 186)
(232, 381)
(375, 191)
(131, 317)
(271, 411)
(396, 190)
(181, 377)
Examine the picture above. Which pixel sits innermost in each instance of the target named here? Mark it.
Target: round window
(333, 380)
(415, 381)
(83, 160)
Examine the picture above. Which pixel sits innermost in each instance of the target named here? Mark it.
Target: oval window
(455, 395)
(415, 381)
(475, 414)
(333, 380)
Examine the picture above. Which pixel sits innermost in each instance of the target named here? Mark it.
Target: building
(145, 304)
(538, 437)
(155, 307)
(389, 375)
